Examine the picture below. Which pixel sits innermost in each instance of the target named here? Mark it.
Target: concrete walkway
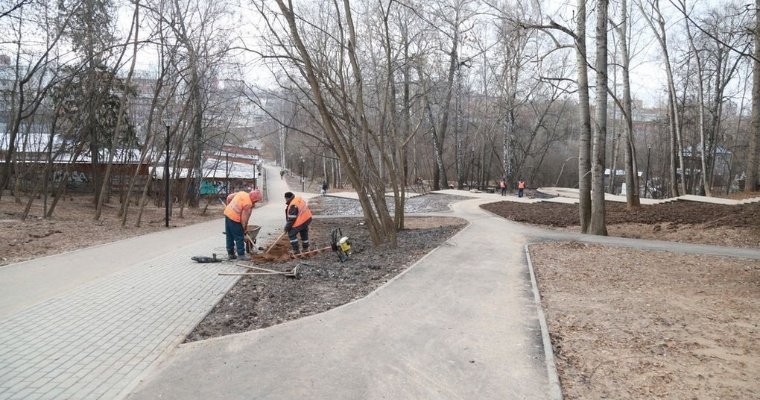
(460, 324)
(88, 324)
(106, 322)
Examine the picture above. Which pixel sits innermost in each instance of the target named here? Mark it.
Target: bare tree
(598, 225)
(135, 27)
(631, 168)
(8, 7)
(22, 107)
(584, 138)
(337, 94)
(753, 158)
(676, 141)
(451, 20)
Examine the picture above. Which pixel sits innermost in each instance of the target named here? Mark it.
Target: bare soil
(73, 226)
(678, 221)
(631, 324)
(627, 323)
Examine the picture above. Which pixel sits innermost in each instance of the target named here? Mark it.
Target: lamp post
(303, 177)
(168, 123)
(472, 167)
(227, 173)
(646, 180)
(255, 167)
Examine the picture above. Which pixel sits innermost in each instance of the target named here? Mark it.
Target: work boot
(231, 256)
(244, 257)
(305, 247)
(294, 247)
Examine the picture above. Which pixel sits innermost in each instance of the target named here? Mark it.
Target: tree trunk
(598, 224)
(676, 144)
(149, 140)
(753, 157)
(584, 152)
(379, 222)
(632, 196)
(119, 114)
(700, 104)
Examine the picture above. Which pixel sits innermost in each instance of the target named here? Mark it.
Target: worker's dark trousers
(303, 230)
(234, 233)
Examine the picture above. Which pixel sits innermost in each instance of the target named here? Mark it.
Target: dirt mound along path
(724, 225)
(277, 252)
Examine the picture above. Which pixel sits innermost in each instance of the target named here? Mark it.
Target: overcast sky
(648, 78)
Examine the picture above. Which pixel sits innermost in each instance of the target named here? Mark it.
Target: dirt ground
(627, 323)
(630, 324)
(73, 226)
(624, 323)
(679, 221)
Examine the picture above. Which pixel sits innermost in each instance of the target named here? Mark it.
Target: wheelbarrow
(250, 238)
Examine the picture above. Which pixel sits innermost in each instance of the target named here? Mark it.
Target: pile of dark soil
(677, 212)
(325, 283)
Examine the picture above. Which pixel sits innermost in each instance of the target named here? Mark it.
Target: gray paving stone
(93, 341)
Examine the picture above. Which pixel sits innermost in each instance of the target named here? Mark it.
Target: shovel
(275, 242)
(293, 273)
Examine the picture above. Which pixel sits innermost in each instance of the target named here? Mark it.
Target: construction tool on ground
(204, 259)
(293, 273)
(339, 244)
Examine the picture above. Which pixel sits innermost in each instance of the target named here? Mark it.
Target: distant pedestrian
(520, 187)
(282, 174)
(236, 215)
(503, 186)
(298, 218)
(325, 186)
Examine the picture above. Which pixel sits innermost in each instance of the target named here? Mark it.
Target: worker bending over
(236, 215)
(297, 220)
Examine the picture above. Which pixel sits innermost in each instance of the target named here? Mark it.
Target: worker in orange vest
(520, 187)
(236, 215)
(503, 187)
(298, 218)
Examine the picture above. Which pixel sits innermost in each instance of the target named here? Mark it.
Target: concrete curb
(555, 389)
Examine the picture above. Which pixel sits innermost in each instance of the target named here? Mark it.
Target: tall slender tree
(753, 157)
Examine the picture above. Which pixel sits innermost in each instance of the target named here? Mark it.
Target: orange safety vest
(234, 209)
(521, 185)
(303, 211)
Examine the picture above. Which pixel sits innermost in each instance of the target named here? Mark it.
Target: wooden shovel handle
(275, 242)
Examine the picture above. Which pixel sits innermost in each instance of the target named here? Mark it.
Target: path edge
(555, 389)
